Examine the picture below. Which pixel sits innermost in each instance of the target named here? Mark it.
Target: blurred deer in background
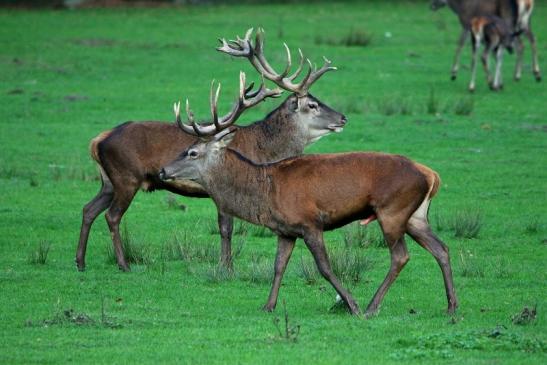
(495, 35)
(130, 155)
(515, 13)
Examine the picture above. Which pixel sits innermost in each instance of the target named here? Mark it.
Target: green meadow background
(65, 76)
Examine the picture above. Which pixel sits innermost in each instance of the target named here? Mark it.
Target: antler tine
(246, 99)
(300, 66)
(191, 120)
(316, 74)
(214, 103)
(255, 54)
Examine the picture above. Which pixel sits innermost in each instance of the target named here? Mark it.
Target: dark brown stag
(516, 14)
(131, 155)
(302, 197)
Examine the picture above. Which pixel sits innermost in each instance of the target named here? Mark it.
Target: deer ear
(225, 140)
(294, 104)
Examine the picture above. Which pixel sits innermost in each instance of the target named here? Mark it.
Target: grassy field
(67, 75)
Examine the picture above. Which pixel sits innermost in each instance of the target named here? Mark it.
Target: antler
(255, 54)
(247, 99)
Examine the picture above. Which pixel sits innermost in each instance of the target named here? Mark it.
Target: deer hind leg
(498, 83)
(394, 236)
(314, 242)
(418, 228)
(91, 210)
(121, 201)
(285, 247)
(225, 225)
(535, 62)
(486, 64)
(456, 64)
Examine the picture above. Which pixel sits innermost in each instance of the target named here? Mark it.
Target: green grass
(65, 76)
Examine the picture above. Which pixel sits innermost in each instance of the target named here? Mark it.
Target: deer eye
(193, 153)
(312, 105)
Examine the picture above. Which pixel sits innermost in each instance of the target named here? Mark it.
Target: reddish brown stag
(302, 197)
(131, 155)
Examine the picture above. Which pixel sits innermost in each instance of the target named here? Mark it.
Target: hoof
(80, 265)
(124, 268)
(453, 77)
(538, 77)
(268, 308)
(471, 89)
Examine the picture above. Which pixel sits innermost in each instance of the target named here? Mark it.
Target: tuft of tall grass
(135, 252)
(308, 271)
(259, 271)
(357, 235)
(465, 223)
(260, 231)
(184, 246)
(532, 227)
(349, 265)
(464, 106)
(354, 38)
(171, 201)
(433, 104)
(218, 273)
(470, 267)
(38, 255)
(395, 105)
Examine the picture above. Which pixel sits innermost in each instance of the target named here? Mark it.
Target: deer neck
(275, 138)
(240, 188)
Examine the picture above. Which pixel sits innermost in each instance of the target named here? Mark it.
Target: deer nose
(344, 120)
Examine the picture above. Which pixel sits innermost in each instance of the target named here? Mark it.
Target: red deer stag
(302, 197)
(516, 14)
(131, 155)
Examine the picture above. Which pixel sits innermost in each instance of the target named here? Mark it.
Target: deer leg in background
(225, 225)
(498, 77)
(91, 210)
(285, 247)
(421, 233)
(474, 46)
(485, 58)
(498, 83)
(456, 63)
(518, 63)
(120, 203)
(535, 63)
(314, 241)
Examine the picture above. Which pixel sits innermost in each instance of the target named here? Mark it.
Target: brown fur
(131, 155)
(302, 197)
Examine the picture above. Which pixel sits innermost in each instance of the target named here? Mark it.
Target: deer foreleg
(315, 244)
(285, 247)
(225, 226)
(461, 42)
